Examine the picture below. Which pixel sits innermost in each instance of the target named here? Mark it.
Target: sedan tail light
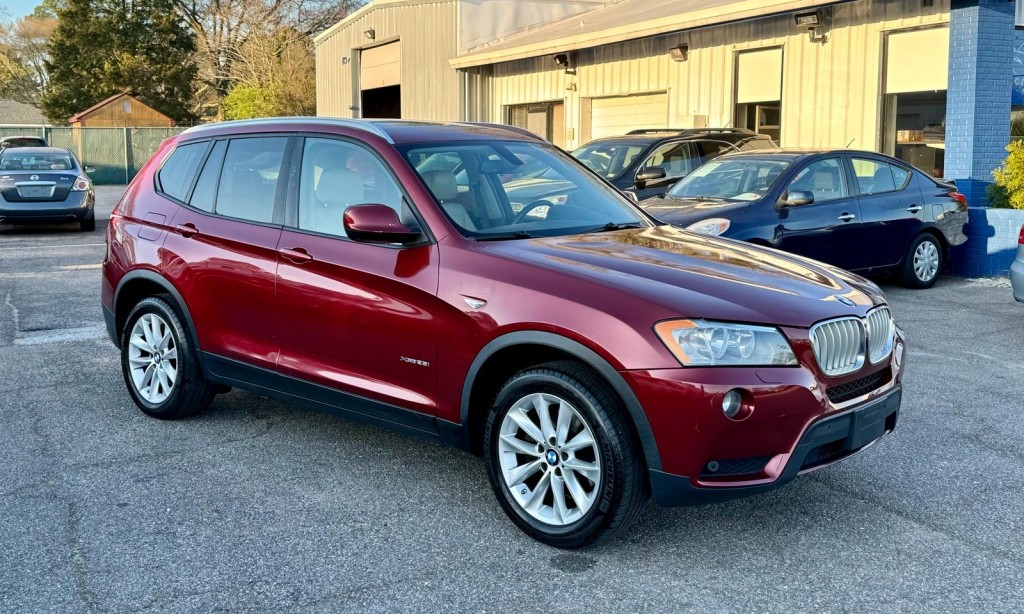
(81, 184)
(1020, 240)
(960, 199)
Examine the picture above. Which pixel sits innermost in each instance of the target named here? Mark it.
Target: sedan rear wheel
(923, 262)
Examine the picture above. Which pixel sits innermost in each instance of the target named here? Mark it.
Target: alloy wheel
(926, 261)
(152, 358)
(549, 459)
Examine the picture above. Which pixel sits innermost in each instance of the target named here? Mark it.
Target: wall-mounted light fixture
(566, 61)
(571, 87)
(818, 23)
(345, 60)
(370, 34)
(680, 53)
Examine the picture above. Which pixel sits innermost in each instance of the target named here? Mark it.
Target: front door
(827, 229)
(892, 209)
(356, 318)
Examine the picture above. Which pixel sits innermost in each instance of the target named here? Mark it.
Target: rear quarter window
(179, 170)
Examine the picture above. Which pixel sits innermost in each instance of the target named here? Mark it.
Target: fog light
(732, 403)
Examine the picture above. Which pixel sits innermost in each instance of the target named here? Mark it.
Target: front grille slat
(839, 345)
(881, 332)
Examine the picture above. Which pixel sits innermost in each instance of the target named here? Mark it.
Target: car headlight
(714, 227)
(702, 343)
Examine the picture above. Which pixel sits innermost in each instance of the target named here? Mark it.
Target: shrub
(1008, 190)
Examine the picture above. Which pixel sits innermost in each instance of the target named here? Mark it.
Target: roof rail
(506, 127)
(358, 124)
(692, 131)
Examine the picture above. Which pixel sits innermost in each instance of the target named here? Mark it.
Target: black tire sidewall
(581, 531)
(171, 406)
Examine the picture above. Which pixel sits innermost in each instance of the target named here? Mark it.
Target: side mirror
(649, 174)
(798, 198)
(377, 224)
(90, 169)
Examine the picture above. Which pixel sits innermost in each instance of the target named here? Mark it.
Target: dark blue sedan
(857, 210)
(45, 185)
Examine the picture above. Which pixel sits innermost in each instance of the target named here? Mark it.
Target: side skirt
(238, 374)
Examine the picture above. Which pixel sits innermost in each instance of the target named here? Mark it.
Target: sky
(19, 8)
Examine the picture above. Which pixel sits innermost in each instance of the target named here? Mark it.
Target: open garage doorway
(382, 102)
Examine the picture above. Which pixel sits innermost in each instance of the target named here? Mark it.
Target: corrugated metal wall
(830, 92)
(429, 35)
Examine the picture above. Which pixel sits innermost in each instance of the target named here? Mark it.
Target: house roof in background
(627, 20)
(12, 112)
(99, 105)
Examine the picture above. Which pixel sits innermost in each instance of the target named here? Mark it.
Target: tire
(87, 225)
(182, 390)
(590, 510)
(923, 263)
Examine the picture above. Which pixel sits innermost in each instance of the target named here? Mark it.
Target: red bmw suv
(384, 270)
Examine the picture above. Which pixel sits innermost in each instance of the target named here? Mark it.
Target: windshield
(609, 158)
(15, 160)
(514, 189)
(731, 179)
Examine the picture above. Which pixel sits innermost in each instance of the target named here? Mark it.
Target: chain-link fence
(116, 154)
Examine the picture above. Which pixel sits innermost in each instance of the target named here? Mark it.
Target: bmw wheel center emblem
(552, 458)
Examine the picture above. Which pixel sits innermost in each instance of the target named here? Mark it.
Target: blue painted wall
(991, 243)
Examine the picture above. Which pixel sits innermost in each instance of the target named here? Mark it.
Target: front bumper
(825, 442)
(77, 207)
(1017, 275)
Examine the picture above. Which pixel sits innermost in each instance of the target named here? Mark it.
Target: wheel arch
(500, 356)
(141, 284)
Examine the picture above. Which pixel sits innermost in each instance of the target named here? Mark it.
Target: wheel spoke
(575, 489)
(537, 496)
(591, 470)
(141, 343)
(542, 407)
(138, 361)
(171, 354)
(165, 341)
(564, 422)
(581, 440)
(558, 495)
(521, 446)
(522, 472)
(523, 421)
(165, 383)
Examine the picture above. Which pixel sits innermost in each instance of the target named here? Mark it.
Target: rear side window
(248, 180)
(176, 175)
(206, 187)
(876, 177)
(678, 159)
(712, 149)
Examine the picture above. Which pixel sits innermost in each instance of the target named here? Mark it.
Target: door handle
(187, 230)
(914, 208)
(296, 255)
(847, 217)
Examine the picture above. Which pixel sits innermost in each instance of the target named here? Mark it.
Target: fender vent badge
(475, 303)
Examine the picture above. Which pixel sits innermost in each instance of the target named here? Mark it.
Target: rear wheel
(562, 458)
(923, 263)
(160, 364)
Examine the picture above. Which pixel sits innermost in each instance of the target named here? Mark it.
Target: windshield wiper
(505, 236)
(610, 226)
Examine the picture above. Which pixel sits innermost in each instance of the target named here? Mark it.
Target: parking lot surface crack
(80, 567)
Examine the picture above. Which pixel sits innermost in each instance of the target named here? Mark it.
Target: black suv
(648, 162)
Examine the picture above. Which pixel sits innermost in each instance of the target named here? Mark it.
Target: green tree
(103, 47)
(1008, 190)
(249, 101)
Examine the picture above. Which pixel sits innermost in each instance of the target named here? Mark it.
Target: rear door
(222, 250)
(891, 206)
(356, 318)
(828, 229)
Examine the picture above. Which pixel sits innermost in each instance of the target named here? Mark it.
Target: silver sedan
(1017, 270)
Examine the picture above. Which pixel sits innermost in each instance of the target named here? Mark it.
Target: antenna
(851, 142)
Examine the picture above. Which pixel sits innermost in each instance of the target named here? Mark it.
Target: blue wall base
(991, 246)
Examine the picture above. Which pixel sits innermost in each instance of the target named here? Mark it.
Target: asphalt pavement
(259, 506)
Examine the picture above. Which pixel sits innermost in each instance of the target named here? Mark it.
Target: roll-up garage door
(380, 66)
(759, 76)
(917, 61)
(619, 115)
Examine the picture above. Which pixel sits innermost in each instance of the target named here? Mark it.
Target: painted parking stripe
(63, 335)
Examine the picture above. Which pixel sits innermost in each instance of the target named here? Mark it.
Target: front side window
(876, 177)
(823, 178)
(609, 158)
(678, 159)
(735, 179)
(176, 175)
(519, 189)
(248, 180)
(337, 175)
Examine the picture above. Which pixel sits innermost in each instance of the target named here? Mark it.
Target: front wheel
(923, 263)
(562, 458)
(160, 363)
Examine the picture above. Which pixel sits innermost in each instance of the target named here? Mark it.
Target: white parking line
(49, 248)
(79, 267)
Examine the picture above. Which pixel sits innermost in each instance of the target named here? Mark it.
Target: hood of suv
(697, 276)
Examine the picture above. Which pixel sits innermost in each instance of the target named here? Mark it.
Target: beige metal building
(868, 74)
